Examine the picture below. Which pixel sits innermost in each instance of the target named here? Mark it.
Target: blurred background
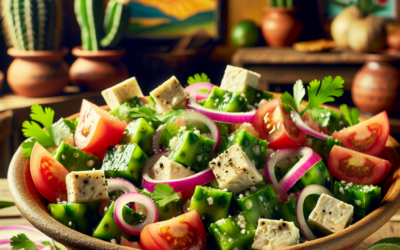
(52, 55)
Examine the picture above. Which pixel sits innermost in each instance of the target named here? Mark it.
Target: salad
(228, 167)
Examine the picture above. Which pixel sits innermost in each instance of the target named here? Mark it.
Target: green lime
(245, 34)
(386, 244)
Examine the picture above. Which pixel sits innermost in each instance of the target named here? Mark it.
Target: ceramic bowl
(33, 208)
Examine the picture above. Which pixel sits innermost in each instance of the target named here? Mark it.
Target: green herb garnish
(197, 78)
(352, 117)
(4, 204)
(164, 194)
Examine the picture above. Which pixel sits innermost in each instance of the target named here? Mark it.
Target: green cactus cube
(125, 161)
(192, 150)
(254, 96)
(82, 217)
(223, 100)
(236, 232)
(253, 146)
(74, 159)
(140, 132)
(211, 204)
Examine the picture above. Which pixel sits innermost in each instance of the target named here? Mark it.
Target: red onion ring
(306, 129)
(310, 189)
(309, 158)
(152, 212)
(119, 184)
(179, 185)
(193, 90)
(220, 116)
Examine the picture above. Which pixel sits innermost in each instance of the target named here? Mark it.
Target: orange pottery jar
(97, 70)
(279, 27)
(37, 73)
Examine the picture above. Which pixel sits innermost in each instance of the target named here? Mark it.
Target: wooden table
(11, 216)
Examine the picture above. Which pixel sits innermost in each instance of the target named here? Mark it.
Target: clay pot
(1, 79)
(376, 85)
(97, 70)
(37, 73)
(279, 27)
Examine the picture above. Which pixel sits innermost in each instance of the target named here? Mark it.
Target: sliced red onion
(193, 90)
(157, 138)
(7, 232)
(309, 158)
(119, 184)
(310, 189)
(152, 212)
(220, 116)
(306, 129)
(179, 185)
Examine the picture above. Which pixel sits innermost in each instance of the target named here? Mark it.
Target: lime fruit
(386, 244)
(245, 34)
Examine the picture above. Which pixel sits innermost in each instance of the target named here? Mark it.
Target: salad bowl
(34, 208)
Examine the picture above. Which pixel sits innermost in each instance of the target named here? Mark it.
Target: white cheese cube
(86, 186)
(234, 171)
(165, 169)
(237, 79)
(275, 234)
(331, 215)
(121, 92)
(169, 95)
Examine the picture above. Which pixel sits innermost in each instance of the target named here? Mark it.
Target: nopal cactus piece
(33, 24)
(89, 14)
(115, 23)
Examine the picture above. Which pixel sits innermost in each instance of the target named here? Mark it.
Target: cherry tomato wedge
(356, 167)
(48, 175)
(183, 232)
(368, 137)
(274, 124)
(97, 129)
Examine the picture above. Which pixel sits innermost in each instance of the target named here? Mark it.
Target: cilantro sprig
(151, 115)
(50, 136)
(319, 92)
(198, 78)
(352, 117)
(21, 241)
(164, 194)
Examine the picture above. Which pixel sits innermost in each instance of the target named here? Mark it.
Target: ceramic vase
(37, 73)
(279, 27)
(375, 86)
(97, 70)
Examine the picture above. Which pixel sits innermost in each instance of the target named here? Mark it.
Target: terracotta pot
(37, 73)
(97, 70)
(279, 27)
(1, 79)
(33, 208)
(375, 87)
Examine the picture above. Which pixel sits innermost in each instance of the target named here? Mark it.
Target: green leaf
(197, 78)
(321, 115)
(320, 93)
(72, 124)
(298, 94)
(203, 90)
(4, 204)
(22, 242)
(27, 146)
(60, 130)
(352, 118)
(164, 194)
(151, 116)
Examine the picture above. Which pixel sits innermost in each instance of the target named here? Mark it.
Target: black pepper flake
(330, 212)
(76, 176)
(219, 164)
(86, 181)
(323, 211)
(284, 224)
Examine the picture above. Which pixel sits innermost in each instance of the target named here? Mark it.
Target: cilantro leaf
(197, 78)
(72, 124)
(289, 101)
(320, 93)
(321, 115)
(60, 130)
(22, 242)
(151, 116)
(27, 146)
(4, 204)
(351, 117)
(164, 194)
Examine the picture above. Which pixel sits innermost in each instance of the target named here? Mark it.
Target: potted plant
(279, 27)
(98, 65)
(34, 29)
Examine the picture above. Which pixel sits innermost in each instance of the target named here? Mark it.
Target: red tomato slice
(356, 167)
(183, 232)
(48, 175)
(96, 129)
(368, 137)
(274, 124)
